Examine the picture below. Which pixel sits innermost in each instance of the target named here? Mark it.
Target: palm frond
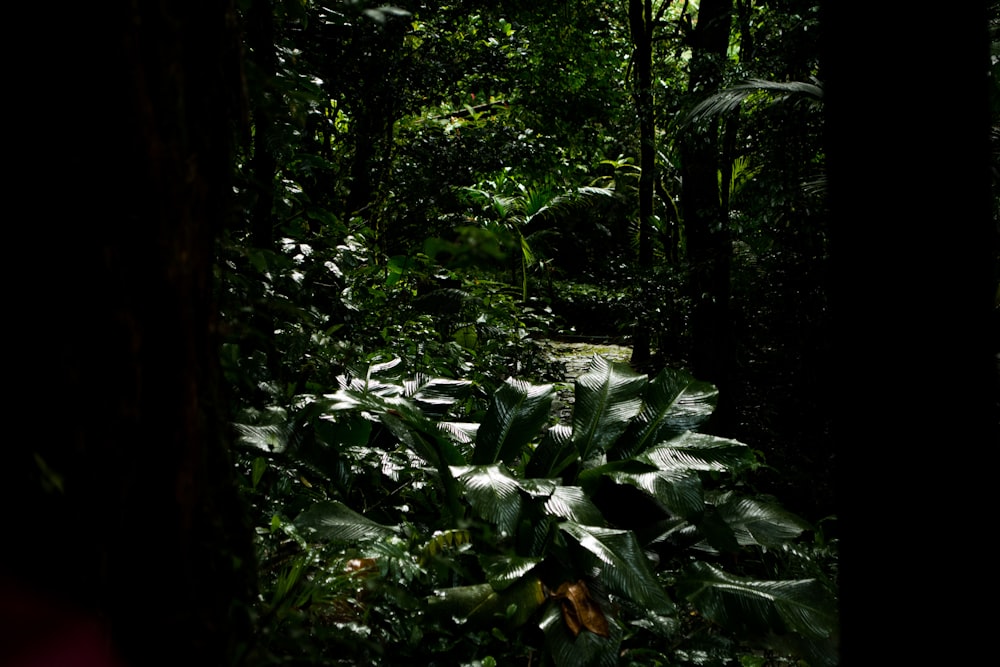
(606, 397)
(728, 100)
(502, 571)
(273, 438)
(699, 451)
(803, 606)
(680, 491)
(493, 494)
(436, 395)
(759, 521)
(673, 403)
(461, 432)
(516, 414)
(573, 504)
(553, 453)
(622, 564)
(333, 521)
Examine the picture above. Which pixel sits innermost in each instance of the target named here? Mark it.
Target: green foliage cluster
(395, 528)
(430, 191)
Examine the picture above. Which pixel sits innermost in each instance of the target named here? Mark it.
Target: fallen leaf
(580, 610)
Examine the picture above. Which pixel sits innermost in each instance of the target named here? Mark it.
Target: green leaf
(553, 453)
(401, 416)
(482, 606)
(606, 397)
(728, 100)
(586, 649)
(573, 504)
(801, 606)
(502, 571)
(334, 521)
(269, 438)
(259, 467)
(517, 412)
(435, 396)
(493, 493)
(680, 491)
(621, 564)
(699, 451)
(759, 521)
(673, 402)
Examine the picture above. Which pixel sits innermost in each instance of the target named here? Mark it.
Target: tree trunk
(264, 163)
(134, 519)
(641, 25)
(705, 219)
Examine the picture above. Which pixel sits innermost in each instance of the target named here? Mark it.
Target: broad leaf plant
(584, 540)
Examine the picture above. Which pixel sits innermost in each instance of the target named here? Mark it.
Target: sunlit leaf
(493, 493)
(620, 564)
(270, 438)
(502, 571)
(673, 402)
(730, 99)
(678, 490)
(606, 397)
(572, 503)
(516, 414)
(759, 521)
(333, 521)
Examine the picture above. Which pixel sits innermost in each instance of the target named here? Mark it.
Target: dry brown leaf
(580, 610)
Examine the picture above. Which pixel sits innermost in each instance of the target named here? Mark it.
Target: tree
(708, 239)
(129, 508)
(641, 28)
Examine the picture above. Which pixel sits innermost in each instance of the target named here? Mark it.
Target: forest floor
(576, 358)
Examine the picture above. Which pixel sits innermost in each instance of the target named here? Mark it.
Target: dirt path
(576, 357)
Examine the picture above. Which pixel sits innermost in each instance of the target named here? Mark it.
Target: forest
(497, 333)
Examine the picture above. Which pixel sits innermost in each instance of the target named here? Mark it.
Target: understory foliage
(430, 192)
(396, 527)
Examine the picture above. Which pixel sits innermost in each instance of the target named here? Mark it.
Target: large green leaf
(606, 397)
(679, 490)
(673, 402)
(482, 606)
(517, 412)
(502, 571)
(573, 504)
(758, 521)
(699, 451)
(493, 494)
(728, 100)
(434, 396)
(621, 564)
(334, 521)
(803, 606)
(401, 416)
(586, 649)
(272, 438)
(553, 453)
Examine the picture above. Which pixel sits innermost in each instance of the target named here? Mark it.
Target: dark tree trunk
(265, 103)
(375, 112)
(705, 219)
(260, 36)
(128, 510)
(641, 25)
